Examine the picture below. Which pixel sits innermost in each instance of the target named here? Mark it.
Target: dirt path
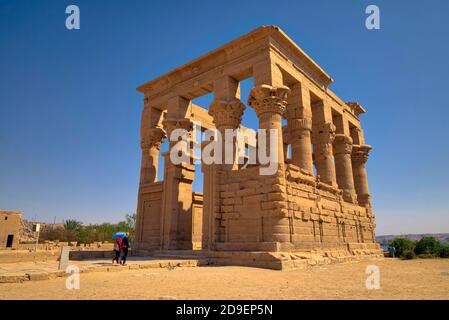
(412, 279)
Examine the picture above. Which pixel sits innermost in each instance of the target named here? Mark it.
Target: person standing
(117, 249)
(125, 248)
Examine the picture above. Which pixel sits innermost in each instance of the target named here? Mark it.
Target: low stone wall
(14, 256)
(56, 245)
(290, 260)
(39, 272)
(90, 254)
(97, 254)
(40, 246)
(50, 252)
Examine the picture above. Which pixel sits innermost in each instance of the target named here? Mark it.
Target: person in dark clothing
(117, 248)
(125, 248)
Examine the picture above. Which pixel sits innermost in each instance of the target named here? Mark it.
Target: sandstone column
(151, 137)
(300, 134)
(359, 158)
(208, 202)
(227, 111)
(178, 178)
(269, 102)
(345, 180)
(227, 114)
(299, 123)
(324, 136)
(151, 141)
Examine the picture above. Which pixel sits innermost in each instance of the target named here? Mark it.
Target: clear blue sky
(70, 115)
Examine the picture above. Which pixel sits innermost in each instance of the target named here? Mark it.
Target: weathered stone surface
(13, 278)
(10, 224)
(241, 210)
(39, 276)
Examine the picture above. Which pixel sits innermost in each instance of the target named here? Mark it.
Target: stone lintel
(268, 35)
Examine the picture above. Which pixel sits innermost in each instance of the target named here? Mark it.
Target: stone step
(44, 274)
(181, 254)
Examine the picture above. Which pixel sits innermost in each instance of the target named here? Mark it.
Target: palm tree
(130, 220)
(72, 225)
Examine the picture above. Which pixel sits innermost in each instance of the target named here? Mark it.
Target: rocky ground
(411, 279)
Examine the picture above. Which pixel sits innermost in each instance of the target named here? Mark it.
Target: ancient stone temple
(315, 208)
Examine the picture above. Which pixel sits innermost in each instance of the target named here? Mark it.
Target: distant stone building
(10, 224)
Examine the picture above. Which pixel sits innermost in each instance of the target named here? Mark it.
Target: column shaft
(270, 121)
(269, 103)
(151, 140)
(300, 136)
(359, 158)
(227, 115)
(149, 165)
(324, 136)
(177, 197)
(343, 165)
(299, 124)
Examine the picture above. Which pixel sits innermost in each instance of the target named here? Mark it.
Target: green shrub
(408, 254)
(51, 233)
(402, 245)
(444, 251)
(74, 230)
(428, 246)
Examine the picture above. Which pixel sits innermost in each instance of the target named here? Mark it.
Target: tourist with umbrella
(117, 245)
(125, 248)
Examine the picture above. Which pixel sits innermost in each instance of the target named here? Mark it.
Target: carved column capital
(152, 137)
(342, 144)
(268, 99)
(171, 124)
(325, 133)
(360, 153)
(299, 127)
(227, 113)
(323, 141)
(322, 151)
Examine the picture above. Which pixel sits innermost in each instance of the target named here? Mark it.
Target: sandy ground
(412, 279)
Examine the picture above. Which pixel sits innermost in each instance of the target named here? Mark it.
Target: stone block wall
(148, 224)
(320, 214)
(290, 210)
(252, 213)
